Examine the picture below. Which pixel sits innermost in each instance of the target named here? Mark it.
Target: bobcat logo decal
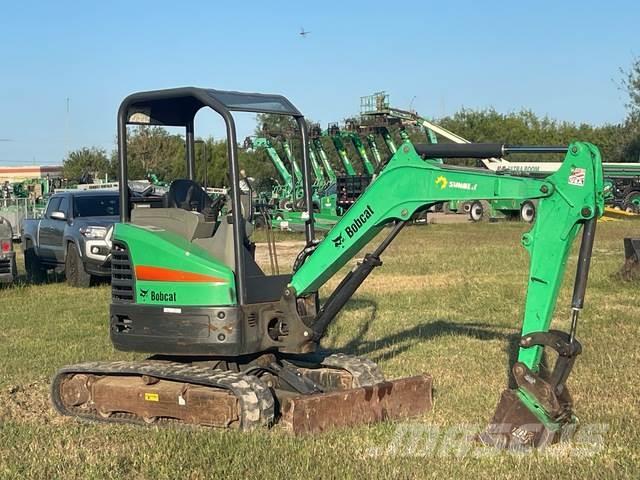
(143, 293)
(338, 241)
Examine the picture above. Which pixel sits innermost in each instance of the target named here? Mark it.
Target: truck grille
(5, 265)
(122, 279)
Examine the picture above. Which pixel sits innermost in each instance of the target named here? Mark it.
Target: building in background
(19, 173)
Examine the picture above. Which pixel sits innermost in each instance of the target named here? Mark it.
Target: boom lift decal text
(444, 183)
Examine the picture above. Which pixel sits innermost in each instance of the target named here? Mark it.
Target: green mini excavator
(231, 346)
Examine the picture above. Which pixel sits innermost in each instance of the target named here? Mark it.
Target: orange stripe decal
(159, 274)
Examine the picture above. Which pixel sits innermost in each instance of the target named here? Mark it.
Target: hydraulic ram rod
(479, 150)
(582, 273)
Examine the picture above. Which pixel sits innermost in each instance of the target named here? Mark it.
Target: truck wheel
(14, 268)
(527, 212)
(36, 273)
(476, 211)
(74, 269)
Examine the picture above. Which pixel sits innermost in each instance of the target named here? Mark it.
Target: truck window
(52, 206)
(64, 206)
(98, 206)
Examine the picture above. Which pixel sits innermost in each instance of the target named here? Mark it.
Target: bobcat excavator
(233, 347)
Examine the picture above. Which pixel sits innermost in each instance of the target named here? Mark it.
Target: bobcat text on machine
(235, 347)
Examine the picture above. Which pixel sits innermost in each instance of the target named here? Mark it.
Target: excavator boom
(570, 199)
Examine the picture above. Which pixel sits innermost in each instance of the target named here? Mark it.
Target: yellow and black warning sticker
(152, 397)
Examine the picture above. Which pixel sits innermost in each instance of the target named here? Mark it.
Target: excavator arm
(569, 200)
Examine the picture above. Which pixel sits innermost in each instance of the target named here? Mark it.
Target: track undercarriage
(303, 394)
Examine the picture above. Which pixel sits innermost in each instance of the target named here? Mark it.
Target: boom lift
(235, 347)
(373, 146)
(334, 133)
(320, 152)
(283, 193)
(368, 168)
(321, 181)
(295, 168)
(377, 106)
(387, 138)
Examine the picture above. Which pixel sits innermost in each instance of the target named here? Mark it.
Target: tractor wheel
(286, 205)
(631, 202)
(476, 211)
(36, 273)
(527, 212)
(74, 269)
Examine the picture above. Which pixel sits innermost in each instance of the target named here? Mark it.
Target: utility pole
(206, 161)
(66, 134)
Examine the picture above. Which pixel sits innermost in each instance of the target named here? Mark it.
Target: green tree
(155, 150)
(630, 140)
(631, 86)
(86, 162)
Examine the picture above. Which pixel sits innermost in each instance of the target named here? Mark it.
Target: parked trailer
(8, 268)
(17, 210)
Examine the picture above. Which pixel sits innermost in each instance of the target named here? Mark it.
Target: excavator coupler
(536, 413)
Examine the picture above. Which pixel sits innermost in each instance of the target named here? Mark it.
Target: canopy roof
(178, 106)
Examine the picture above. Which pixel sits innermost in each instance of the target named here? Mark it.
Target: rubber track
(256, 400)
(364, 371)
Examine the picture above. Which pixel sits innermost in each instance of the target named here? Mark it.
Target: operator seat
(189, 195)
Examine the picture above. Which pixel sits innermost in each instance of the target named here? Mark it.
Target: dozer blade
(395, 399)
(514, 426)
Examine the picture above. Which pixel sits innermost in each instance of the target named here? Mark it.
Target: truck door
(58, 228)
(46, 250)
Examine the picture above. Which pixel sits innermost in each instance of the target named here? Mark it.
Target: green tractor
(231, 346)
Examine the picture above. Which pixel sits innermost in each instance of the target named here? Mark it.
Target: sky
(65, 66)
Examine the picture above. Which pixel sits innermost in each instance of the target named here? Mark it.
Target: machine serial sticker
(577, 177)
(172, 310)
(152, 397)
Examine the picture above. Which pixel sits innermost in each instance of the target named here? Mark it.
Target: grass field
(448, 301)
